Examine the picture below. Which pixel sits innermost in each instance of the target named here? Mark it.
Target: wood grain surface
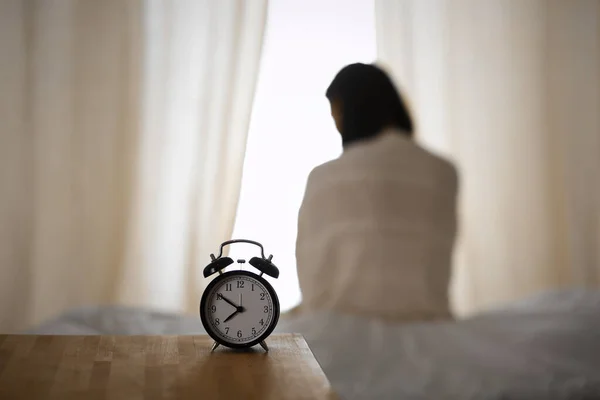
(156, 367)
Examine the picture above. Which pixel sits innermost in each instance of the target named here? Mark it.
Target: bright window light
(291, 130)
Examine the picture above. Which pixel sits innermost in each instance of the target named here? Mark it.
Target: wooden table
(156, 367)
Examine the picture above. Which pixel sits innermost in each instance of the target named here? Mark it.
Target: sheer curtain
(291, 130)
(510, 90)
(121, 148)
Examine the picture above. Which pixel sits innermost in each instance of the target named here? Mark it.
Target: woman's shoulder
(390, 154)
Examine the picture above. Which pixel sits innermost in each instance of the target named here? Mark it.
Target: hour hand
(231, 316)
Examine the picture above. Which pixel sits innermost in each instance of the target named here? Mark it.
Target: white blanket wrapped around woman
(376, 230)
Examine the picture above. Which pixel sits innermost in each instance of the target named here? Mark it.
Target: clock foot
(264, 346)
(215, 345)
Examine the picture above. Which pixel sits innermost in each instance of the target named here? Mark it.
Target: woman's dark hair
(369, 101)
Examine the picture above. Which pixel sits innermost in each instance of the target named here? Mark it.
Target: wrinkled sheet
(546, 347)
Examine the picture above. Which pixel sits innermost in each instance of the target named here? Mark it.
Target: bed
(545, 347)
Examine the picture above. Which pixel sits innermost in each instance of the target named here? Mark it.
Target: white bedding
(547, 347)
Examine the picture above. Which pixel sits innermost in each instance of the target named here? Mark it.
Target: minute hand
(229, 301)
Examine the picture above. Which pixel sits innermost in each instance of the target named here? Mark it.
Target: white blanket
(547, 348)
(376, 230)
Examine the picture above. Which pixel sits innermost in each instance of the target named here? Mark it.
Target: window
(291, 130)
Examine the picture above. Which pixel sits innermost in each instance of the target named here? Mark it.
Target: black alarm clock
(239, 308)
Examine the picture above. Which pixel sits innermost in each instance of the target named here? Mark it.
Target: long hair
(370, 102)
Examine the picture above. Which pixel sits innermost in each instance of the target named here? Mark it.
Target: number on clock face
(239, 309)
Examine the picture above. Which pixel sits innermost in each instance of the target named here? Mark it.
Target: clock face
(239, 309)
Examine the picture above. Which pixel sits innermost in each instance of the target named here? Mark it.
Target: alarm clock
(239, 308)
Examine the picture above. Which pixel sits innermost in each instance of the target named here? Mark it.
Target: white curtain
(510, 91)
(291, 130)
(122, 139)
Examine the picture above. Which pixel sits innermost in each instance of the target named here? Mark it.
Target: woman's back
(376, 231)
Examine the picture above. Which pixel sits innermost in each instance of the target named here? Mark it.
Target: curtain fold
(510, 91)
(203, 60)
(121, 148)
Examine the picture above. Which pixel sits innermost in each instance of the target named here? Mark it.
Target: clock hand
(229, 301)
(231, 316)
(240, 308)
